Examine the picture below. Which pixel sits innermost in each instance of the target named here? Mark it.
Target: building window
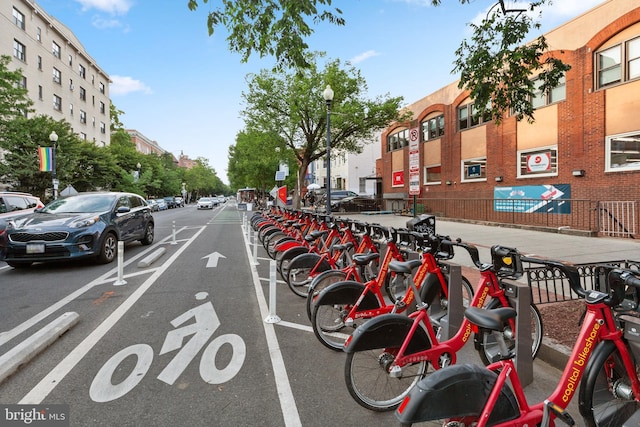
(83, 136)
(57, 76)
(398, 140)
(82, 71)
(468, 116)
(71, 84)
(623, 152)
(40, 97)
(18, 18)
(618, 63)
(39, 62)
(83, 94)
(433, 128)
(102, 107)
(55, 49)
(19, 50)
(103, 127)
(39, 34)
(23, 83)
(538, 162)
(101, 86)
(70, 59)
(57, 103)
(83, 116)
(558, 93)
(474, 169)
(71, 109)
(432, 174)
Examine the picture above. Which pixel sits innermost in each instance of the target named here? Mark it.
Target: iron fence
(549, 284)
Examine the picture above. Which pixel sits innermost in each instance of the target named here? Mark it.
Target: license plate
(35, 248)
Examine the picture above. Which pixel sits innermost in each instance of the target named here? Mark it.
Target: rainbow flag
(46, 158)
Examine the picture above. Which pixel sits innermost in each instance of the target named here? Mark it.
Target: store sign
(540, 162)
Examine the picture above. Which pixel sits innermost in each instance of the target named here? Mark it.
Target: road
(182, 342)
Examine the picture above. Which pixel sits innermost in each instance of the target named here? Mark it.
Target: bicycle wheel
(490, 348)
(605, 390)
(302, 270)
(320, 282)
(439, 303)
(370, 384)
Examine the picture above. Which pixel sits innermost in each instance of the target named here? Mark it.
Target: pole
(328, 157)
(53, 137)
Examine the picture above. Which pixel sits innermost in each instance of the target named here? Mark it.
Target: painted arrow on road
(212, 259)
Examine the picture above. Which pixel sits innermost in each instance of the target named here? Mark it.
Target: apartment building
(63, 80)
(583, 145)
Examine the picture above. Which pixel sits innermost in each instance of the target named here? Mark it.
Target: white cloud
(103, 24)
(364, 56)
(118, 7)
(123, 85)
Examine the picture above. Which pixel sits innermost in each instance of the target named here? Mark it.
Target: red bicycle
(602, 362)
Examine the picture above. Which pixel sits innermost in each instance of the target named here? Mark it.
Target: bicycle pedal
(560, 413)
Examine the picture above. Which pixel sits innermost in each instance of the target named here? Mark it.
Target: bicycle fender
(600, 354)
(387, 331)
(294, 250)
(307, 260)
(455, 392)
(347, 292)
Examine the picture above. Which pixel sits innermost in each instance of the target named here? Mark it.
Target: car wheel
(19, 264)
(148, 235)
(108, 249)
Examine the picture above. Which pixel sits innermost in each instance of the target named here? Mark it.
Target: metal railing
(549, 285)
(615, 219)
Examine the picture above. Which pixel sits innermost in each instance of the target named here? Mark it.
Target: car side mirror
(123, 209)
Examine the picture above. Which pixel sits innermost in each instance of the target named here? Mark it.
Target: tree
(497, 69)
(14, 97)
(270, 27)
(291, 106)
(496, 66)
(246, 169)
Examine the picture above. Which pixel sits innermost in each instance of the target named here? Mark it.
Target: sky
(183, 88)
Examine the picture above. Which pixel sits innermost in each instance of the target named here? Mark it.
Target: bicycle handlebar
(569, 270)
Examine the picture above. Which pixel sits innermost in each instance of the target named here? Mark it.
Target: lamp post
(53, 137)
(328, 97)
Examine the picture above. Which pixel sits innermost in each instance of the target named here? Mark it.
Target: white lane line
(287, 401)
(57, 374)
(105, 278)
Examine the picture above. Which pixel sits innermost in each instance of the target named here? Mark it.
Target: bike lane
(187, 347)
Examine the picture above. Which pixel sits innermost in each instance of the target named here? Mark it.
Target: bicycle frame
(598, 327)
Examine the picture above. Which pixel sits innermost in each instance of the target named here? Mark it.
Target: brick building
(582, 150)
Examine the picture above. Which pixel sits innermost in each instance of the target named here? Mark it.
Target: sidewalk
(564, 247)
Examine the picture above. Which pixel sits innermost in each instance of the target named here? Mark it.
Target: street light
(53, 137)
(328, 97)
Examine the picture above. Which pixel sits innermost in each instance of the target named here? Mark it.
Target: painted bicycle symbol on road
(206, 323)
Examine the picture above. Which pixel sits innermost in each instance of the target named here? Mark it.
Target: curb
(553, 353)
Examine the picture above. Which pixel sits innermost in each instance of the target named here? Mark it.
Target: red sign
(282, 194)
(397, 178)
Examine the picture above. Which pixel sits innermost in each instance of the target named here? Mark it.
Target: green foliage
(270, 27)
(291, 106)
(497, 68)
(14, 99)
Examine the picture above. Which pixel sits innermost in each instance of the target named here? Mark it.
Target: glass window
(609, 66)
(432, 174)
(83, 116)
(55, 49)
(398, 140)
(39, 62)
(57, 76)
(101, 86)
(39, 34)
(82, 71)
(623, 152)
(57, 103)
(40, 92)
(83, 94)
(474, 169)
(633, 55)
(18, 18)
(538, 162)
(19, 50)
(463, 117)
(433, 128)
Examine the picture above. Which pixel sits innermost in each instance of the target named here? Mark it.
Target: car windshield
(205, 199)
(81, 204)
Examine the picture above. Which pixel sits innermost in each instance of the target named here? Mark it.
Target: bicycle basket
(506, 261)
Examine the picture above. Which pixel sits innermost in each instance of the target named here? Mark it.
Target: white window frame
(425, 175)
(475, 160)
(539, 150)
(608, 152)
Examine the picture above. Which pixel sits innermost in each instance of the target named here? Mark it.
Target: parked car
(162, 205)
(153, 205)
(87, 225)
(355, 204)
(205, 203)
(170, 201)
(13, 204)
(179, 201)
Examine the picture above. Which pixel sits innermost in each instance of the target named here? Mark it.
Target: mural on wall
(533, 198)
(397, 178)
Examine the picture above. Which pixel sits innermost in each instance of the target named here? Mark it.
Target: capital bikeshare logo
(34, 415)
